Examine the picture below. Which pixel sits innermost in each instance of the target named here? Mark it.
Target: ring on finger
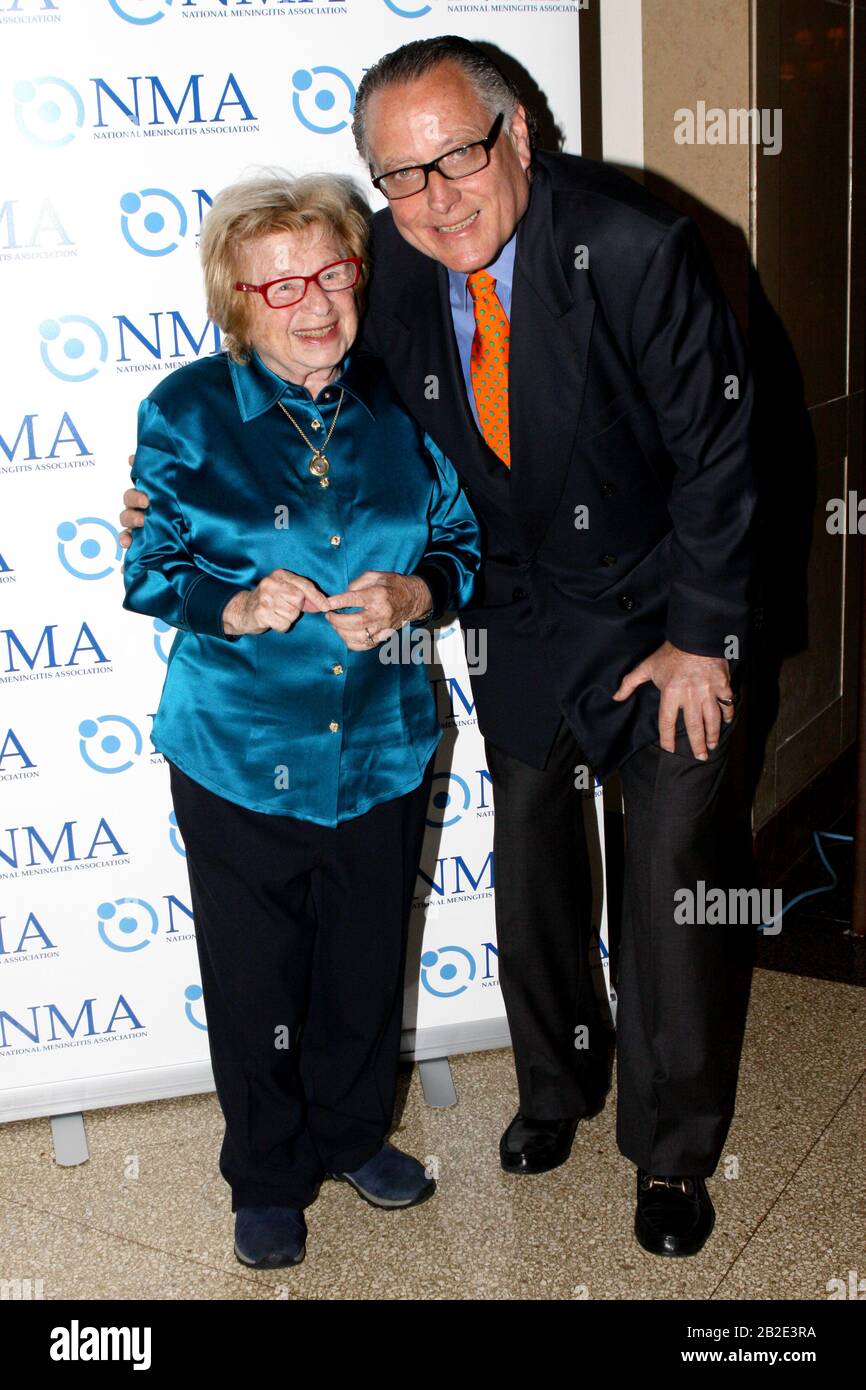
(370, 637)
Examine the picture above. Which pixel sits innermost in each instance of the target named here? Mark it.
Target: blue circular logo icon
(48, 110)
(130, 929)
(161, 641)
(159, 224)
(73, 347)
(174, 834)
(407, 14)
(316, 97)
(109, 743)
(96, 550)
(450, 798)
(194, 994)
(140, 11)
(448, 972)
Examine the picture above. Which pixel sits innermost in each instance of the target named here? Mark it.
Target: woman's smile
(325, 334)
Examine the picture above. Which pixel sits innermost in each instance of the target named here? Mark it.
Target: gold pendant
(319, 465)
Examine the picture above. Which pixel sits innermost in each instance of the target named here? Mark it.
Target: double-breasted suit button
(608, 560)
(626, 602)
(518, 593)
(607, 489)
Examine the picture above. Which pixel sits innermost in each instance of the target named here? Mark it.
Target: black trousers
(682, 989)
(301, 933)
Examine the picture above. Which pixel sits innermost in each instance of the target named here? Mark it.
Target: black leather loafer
(535, 1146)
(674, 1216)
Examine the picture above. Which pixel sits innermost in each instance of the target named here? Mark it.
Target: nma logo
(27, 937)
(452, 797)
(110, 743)
(154, 221)
(27, 847)
(131, 924)
(45, 655)
(455, 877)
(28, 227)
(323, 99)
(15, 761)
(151, 11)
(30, 441)
(47, 1023)
(449, 970)
(74, 347)
(88, 548)
(50, 111)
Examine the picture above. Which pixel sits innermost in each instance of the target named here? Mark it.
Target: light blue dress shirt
(463, 308)
(290, 723)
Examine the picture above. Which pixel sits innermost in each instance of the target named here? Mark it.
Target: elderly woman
(297, 517)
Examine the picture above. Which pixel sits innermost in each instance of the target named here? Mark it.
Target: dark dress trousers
(625, 520)
(300, 929)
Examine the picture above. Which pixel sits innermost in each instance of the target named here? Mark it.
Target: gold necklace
(318, 465)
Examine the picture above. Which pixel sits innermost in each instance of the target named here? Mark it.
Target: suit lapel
(425, 313)
(431, 375)
(551, 326)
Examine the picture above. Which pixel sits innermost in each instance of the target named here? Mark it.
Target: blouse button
(335, 540)
(337, 671)
(333, 726)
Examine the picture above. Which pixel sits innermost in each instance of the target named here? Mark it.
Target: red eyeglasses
(280, 294)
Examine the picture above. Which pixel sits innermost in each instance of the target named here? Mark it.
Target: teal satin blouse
(290, 723)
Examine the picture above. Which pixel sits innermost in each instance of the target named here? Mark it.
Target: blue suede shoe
(390, 1179)
(270, 1237)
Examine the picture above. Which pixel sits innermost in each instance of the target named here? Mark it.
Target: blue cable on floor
(817, 836)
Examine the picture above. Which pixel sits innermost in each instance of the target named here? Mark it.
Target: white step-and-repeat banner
(119, 121)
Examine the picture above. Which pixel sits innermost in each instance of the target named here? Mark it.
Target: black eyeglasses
(458, 163)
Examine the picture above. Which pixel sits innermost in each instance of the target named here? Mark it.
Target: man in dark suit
(562, 337)
(595, 400)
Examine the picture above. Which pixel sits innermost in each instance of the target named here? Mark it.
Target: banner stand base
(70, 1140)
(437, 1083)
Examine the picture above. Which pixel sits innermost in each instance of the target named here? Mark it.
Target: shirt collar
(502, 269)
(257, 388)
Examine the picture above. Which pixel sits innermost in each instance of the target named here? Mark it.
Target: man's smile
(459, 226)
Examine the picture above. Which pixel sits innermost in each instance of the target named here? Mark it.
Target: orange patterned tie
(488, 363)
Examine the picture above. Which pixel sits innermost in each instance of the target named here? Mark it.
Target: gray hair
(416, 59)
(274, 201)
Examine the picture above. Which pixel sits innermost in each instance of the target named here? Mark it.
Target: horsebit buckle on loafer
(684, 1184)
